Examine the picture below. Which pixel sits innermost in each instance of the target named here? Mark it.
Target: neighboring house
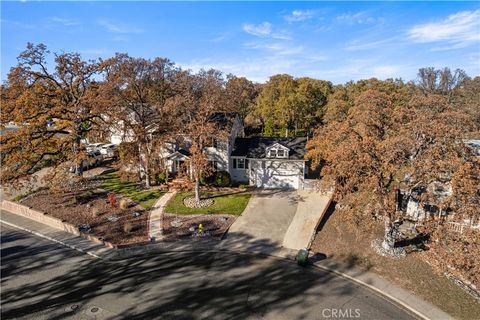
(259, 161)
(414, 209)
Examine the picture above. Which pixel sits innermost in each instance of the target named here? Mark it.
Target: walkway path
(311, 208)
(155, 223)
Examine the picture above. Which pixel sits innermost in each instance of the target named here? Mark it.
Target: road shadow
(183, 285)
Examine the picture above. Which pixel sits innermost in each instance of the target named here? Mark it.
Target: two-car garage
(276, 174)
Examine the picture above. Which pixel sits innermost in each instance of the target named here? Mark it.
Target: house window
(273, 153)
(234, 163)
(280, 153)
(246, 163)
(241, 163)
(213, 164)
(277, 153)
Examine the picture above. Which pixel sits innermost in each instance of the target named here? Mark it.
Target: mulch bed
(81, 207)
(179, 226)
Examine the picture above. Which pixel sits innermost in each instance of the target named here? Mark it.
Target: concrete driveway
(265, 220)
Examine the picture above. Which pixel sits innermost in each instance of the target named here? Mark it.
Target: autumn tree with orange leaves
(198, 98)
(54, 108)
(406, 141)
(138, 90)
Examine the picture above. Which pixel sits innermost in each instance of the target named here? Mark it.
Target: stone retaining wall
(53, 222)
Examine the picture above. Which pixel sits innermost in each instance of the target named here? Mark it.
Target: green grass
(146, 198)
(228, 203)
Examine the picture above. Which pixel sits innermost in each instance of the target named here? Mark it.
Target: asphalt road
(43, 280)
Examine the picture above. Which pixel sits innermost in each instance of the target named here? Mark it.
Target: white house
(259, 161)
(269, 162)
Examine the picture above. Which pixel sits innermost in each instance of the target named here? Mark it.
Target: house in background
(416, 210)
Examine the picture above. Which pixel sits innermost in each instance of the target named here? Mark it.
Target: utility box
(302, 257)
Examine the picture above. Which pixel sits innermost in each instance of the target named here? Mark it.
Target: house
(409, 201)
(259, 161)
(269, 162)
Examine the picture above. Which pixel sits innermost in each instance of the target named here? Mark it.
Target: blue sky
(336, 41)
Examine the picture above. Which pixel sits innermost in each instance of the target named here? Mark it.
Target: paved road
(42, 280)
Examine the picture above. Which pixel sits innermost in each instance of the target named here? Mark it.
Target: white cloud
(299, 15)
(117, 28)
(64, 22)
(275, 47)
(264, 30)
(365, 45)
(257, 69)
(356, 18)
(459, 29)
(260, 30)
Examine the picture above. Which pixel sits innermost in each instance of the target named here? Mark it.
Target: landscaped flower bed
(186, 226)
(90, 210)
(182, 221)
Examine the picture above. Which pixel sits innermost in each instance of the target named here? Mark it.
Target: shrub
(243, 185)
(160, 177)
(128, 227)
(123, 204)
(206, 179)
(222, 179)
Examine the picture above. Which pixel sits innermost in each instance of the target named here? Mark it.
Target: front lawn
(224, 203)
(133, 190)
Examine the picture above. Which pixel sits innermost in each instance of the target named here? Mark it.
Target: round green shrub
(160, 177)
(206, 179)
(222, 179)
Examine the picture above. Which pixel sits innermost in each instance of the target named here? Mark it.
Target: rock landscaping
(191, 202)
(187, 226)
(92, 214)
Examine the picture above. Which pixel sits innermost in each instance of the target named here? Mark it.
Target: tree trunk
(286, 132)
(197, 188)
(146, 165)
(147, 175)
(389, 236)
(76, 150)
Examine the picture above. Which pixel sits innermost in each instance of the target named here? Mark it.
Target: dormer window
(277, 151)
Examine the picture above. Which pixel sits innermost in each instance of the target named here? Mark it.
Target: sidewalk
(155, 221)
(64, 238)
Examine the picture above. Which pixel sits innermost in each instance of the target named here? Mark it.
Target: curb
(51, 239)
(375, 289)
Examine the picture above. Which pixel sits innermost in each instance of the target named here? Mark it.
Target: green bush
(206, 179)
(160, 177)
(243, 185)
(222, 179)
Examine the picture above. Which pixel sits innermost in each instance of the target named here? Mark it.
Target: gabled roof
(180, 152)
(256, 147)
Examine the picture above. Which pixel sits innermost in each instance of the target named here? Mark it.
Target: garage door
(272, 180)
